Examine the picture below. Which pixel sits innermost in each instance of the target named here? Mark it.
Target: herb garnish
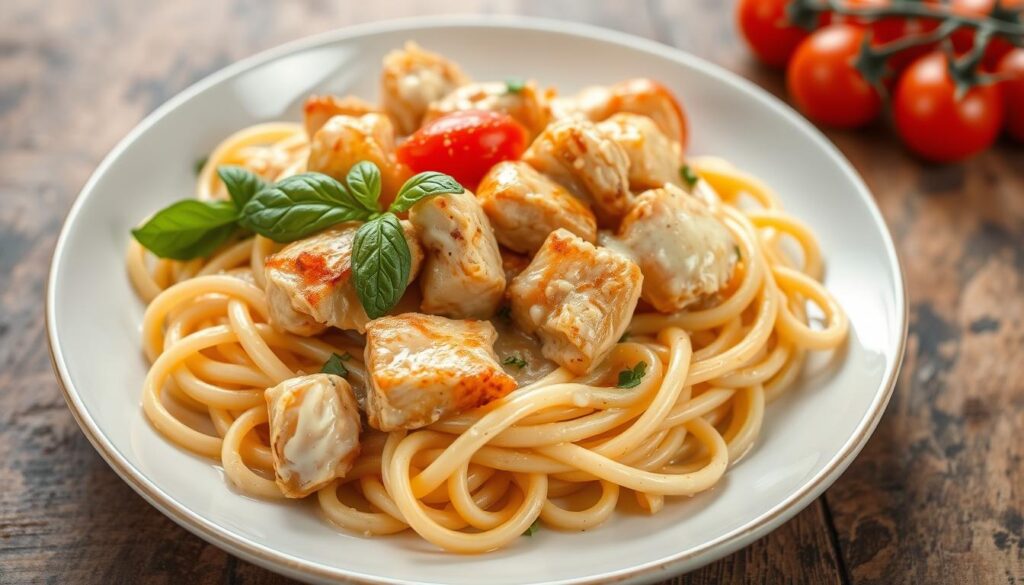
(515, 361)
(514, 85)
(631, 378)
(533, 528)
(197, 166)
(334, 366)
(688, 175)
(296, 207)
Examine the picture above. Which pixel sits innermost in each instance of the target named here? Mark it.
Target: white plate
(809, 438)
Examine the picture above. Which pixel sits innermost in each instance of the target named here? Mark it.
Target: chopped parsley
(533, 528)
(736, 249)
(515, 360)
(631, 378)
(514, 85)
(688, 175)
(624, 338)
(334, 365)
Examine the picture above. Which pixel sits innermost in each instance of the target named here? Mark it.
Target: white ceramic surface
(809, 437)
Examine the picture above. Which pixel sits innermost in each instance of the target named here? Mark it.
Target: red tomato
(766, 29)
(824, 82)
(464, 145)
(963, 39)
(934, 123)
(1012, 66)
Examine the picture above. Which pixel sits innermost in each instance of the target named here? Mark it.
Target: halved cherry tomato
(1012, 67)
(464, 145)
(824, 82)
(767, 30)
(934, 123)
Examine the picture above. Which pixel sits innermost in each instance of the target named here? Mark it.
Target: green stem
(922, 10)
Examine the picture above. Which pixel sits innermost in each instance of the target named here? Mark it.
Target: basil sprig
(296, 207)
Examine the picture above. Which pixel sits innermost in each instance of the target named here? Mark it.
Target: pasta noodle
(565, 450)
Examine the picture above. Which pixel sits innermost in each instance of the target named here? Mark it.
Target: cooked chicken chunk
(320, 108)
(577, 298)
(314, 432)
(586, 162)
(309, 282)
(462, 277)
(635, 96)
(653, 159)
(684, 252)
(524, 206)
(411, 79)
(424, 367)
(527, 104)
(345, 140)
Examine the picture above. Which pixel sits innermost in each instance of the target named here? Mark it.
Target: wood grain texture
(936, 497)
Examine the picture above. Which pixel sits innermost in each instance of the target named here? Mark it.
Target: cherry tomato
(464, 145)
(963, 38)
(768, 32)
(934, 123)
(1012, 67)
(824, 82)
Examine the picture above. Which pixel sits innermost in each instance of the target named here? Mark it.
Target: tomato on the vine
(963, 38)
(768, 31)
(825, 83)
(887, 30)
(934, 122)
(464, 144)
(1012, 68)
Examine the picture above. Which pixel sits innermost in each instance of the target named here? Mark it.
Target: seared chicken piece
(527, 104)
(424, 367)
(577, 298)
(309, 282)
(411, 79)
(685, 253)
(524, 206)
(462, 277)
(586, 162)
(635, 96)
(653, 159)
(314, 432)
(345, 140)
(320, 108)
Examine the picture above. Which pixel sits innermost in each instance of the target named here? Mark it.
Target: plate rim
(289, 565)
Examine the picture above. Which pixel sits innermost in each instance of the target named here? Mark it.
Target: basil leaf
(242, 183)
(364, 183)
(631, 378)
(687, 174)
(188, 229)
(422, 186)
(300, 205)
(381, 263)
(334, 366)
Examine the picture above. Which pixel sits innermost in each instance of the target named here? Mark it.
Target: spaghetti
(565, 449)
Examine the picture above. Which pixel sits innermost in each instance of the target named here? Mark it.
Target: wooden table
(937, 496)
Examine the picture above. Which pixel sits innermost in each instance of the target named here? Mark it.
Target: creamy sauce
(513, 343)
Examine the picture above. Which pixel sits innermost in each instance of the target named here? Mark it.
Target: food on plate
(475, 308)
